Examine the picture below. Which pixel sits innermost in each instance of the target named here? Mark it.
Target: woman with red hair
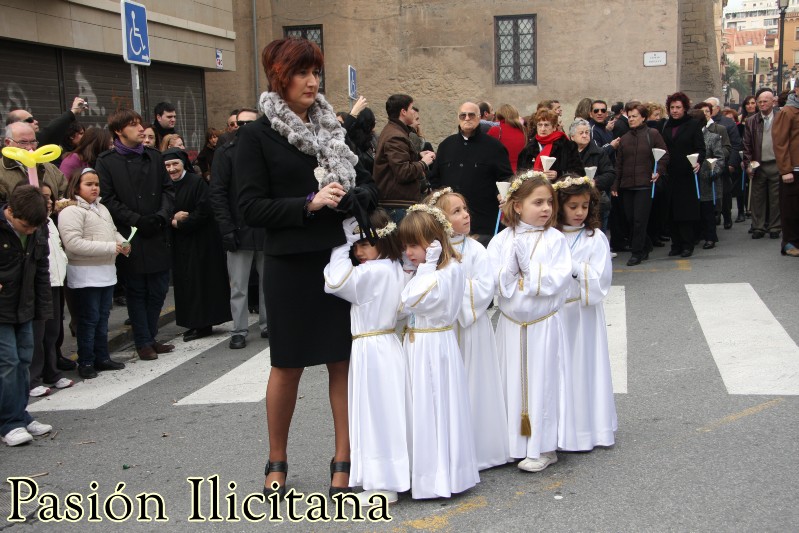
(298, 179)
(548, 141)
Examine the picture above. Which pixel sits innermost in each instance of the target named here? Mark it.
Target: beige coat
(89, 235)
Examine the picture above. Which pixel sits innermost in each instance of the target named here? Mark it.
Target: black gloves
(149, 225)
(230, 243)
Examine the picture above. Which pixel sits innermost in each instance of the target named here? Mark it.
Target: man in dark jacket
(138, 192)
(399, 171)
(600, 134)
(25, 296)
(243, 244)
(471, 162)
(165, 119)
(55, 131)
(733, 167)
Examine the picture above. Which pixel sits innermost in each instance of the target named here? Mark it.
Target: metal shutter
(183, 87)
(104, 80)
(29, 80)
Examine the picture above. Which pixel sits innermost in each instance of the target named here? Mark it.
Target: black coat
(202, 291)
(274, 178)
(680, 182)
(24, 275)
(131, 195)
(564, 150)
(472, 167)
(594, 156)
(224, 199)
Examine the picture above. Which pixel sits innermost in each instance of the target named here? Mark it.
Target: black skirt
(307, 326)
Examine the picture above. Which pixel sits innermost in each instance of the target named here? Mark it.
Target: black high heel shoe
(276, 466)
(335, 467)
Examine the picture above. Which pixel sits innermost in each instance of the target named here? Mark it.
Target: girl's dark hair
(388, 247)
(361, 131)
(73, 128)
(93, 143)
(592, 219)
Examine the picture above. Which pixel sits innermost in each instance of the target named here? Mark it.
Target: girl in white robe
(475, 335)
(442, 440)
(533, 267)
(379, 387)
(594, 409)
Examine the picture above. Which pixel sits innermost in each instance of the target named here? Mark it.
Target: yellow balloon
(47, 153)
(18, 154)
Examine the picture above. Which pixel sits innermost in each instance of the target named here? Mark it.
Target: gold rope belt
(570, 300)
(412, 331)
(374, 333)
(526, 428)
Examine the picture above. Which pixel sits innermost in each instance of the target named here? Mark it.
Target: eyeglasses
(241, 123)
(464, 116)
(32, 144)
(29, 120)
(603, 110)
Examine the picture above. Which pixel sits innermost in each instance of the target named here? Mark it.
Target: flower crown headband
(437, 213)
(568, 182)
(382, 233)
(530, 174)
(437, 195)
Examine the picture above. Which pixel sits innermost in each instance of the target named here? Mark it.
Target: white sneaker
(17, 436)
(364, 497)
(41, 390)
(613, 254)
(37, 428)
(63, 383)
(537, 465)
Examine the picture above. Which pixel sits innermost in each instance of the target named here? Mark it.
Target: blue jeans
(145, 294)
(94, 308)
(397, 214)
(16, 353)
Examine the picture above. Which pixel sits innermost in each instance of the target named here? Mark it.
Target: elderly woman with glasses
(593, 156)
(550, 142)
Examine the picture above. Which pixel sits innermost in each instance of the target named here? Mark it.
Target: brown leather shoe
(163, 348)
(146, 353)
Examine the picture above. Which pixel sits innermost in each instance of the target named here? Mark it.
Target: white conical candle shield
(590, 172)
(658, 153)
(502, 187)
(693, 158)
(547, 161)
(711, 160)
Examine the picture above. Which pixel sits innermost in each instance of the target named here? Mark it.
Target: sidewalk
(120, 336)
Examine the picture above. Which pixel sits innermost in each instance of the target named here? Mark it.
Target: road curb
(122, 337)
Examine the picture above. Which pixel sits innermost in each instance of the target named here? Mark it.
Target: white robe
(479, 350)
(544, 342)
(379, 386)
(594, 410)
(442, 440)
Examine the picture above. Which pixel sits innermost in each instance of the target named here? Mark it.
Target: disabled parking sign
(135, 39)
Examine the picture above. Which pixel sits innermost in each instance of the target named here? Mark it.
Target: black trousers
(683, 234)
(45, 334)
(637, 204)
(619, 230)
(707, 218)
(726, 198)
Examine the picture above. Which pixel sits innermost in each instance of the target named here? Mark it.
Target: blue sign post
(135, 44)
(135, 39)
(353, 84)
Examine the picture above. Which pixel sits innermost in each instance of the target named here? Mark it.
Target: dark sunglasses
(463, 116)
(29, 120)
(604, 110)
(241, 123)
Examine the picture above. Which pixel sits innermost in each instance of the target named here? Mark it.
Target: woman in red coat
(510, 132)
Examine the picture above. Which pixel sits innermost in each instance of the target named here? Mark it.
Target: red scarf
(546, 147)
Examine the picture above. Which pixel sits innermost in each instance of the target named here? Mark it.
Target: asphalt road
(690, 453)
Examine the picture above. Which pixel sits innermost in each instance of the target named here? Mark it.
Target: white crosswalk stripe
(753, 352)
(245, 383)
(752, 360)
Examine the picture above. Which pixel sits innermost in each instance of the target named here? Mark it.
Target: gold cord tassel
(521, 283)
(527, 431)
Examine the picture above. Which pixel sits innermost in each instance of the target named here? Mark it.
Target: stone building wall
(700, 52)
(442, 52)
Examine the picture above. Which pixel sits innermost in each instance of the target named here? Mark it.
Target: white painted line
(109, 385)
(616, 319)
(753, 352)
(245, 383)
